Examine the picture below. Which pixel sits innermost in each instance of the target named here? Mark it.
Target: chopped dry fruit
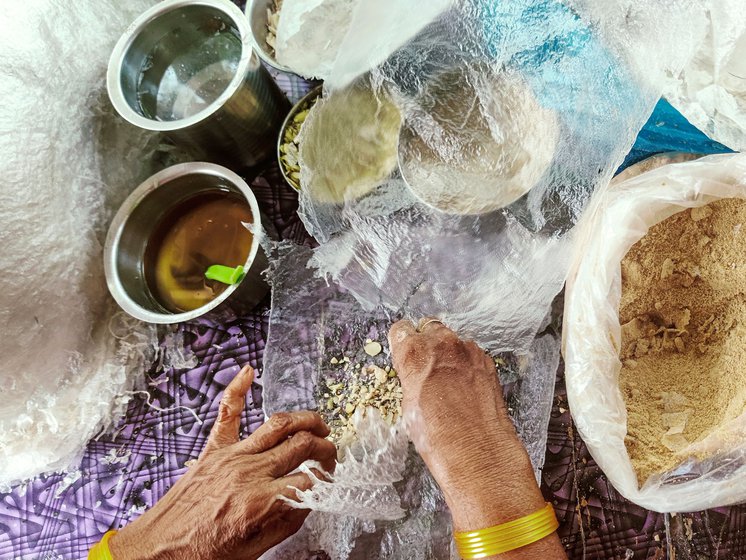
(373, 348)
(273, 19)
(357, 386)
(368, 386)
(289, 149)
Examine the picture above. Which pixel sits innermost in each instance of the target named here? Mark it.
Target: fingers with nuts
(282, 426)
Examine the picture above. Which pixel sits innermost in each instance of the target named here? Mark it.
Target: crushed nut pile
(358, 385)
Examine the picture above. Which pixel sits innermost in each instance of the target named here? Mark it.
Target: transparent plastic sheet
(383, 502)
(621, 215)
(711, 90)
(512, 114)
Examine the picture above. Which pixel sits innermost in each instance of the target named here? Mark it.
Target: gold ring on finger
(426, 323)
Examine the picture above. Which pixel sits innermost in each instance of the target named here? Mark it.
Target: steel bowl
(139, 217)
(256, 11)
(186, 68)
(297, 108)
(654, 162)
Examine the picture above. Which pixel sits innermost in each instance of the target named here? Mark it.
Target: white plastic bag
(67, 162)
(619, 217)
(342, 39)
(711, 90)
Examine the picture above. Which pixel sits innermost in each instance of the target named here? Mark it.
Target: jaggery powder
(683, 317)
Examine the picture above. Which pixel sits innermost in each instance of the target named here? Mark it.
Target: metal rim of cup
(140, 194)
(314, 93)
(118, 56)
(256, 12)
(416, 190)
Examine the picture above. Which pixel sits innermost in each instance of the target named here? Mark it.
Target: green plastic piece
(225, 274)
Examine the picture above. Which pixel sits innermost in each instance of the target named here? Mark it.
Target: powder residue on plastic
(360, 127)
(683, 348)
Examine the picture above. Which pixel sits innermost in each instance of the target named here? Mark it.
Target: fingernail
(246, 373)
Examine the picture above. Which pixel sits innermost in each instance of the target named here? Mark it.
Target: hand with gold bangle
(229, 504)
(460, 426)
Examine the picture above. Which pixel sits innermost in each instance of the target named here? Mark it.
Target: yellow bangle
(508, 536)
(101, 550)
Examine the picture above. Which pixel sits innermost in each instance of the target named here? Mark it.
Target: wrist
(132, 542)
(121, 545)
(493, 483)
(473, 456)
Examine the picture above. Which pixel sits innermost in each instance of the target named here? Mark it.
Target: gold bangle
(507, 536)
(101, 550)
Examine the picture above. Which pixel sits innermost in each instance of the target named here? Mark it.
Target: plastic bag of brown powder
(653, 344)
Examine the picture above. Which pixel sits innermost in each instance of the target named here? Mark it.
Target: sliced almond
(373, 348)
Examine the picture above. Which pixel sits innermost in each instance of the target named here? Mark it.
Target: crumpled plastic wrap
(711, 90)
(309, 34)
(383, 502)
(66, 162)
(621, 215)
(363, 484)
(512, 114)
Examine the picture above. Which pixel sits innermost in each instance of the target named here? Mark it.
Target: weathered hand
(227, 505)
(459, 423)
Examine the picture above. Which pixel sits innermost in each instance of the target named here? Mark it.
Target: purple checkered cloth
(128, 469)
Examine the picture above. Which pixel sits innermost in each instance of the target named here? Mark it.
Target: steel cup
(139, 217)
(256, 11)
(186, 68)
